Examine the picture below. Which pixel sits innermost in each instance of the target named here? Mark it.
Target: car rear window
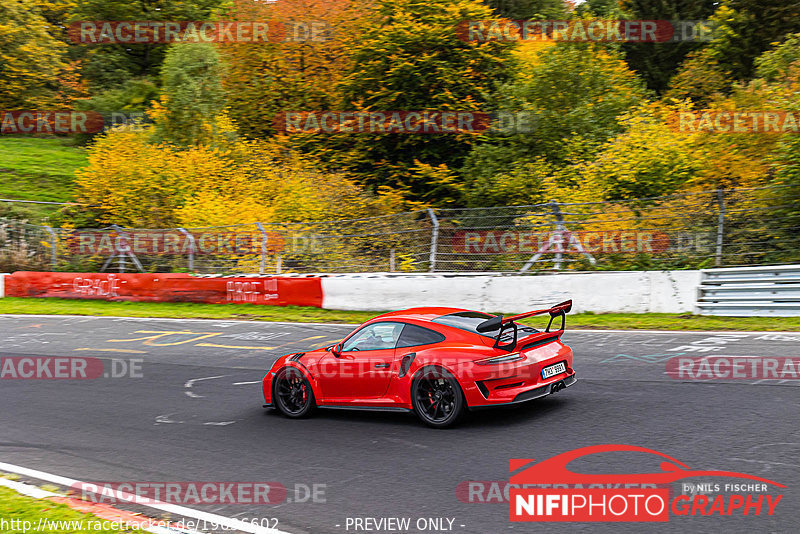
(466, 320)
(469, 321)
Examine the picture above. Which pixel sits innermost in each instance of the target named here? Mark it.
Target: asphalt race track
(195, 415)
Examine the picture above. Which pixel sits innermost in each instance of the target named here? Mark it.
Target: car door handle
(382, 365)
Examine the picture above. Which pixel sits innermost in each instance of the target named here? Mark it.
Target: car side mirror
(336, 350)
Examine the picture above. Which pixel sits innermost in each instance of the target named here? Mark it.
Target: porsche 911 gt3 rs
(437, 362)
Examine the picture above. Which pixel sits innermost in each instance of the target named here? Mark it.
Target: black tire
(437, 398)
(292, 394)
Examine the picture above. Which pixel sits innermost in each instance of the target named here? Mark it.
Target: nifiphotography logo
(548, 491)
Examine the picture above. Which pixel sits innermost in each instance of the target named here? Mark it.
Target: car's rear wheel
(292, 393)
(437, 397)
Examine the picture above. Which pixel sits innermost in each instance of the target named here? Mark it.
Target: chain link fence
(734, 227)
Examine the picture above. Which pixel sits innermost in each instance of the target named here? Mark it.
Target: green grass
(181, 310)
(14, 506)
(647, 321)
(37, 169)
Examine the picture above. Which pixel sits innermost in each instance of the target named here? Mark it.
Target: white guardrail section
(599, 292)
(750, 291)
(3, 285)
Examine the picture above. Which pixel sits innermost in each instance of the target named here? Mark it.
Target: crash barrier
(606, 292)
(2, 284)
(750, 291)
(177, 287)
(767, 291)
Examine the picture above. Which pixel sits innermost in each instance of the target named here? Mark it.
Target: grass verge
(21, 515)
(185, 310)
(37, 169)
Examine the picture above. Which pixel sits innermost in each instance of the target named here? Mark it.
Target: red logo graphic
(584, 501)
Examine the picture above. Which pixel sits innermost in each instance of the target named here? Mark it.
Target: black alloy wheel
(292, 393)
(437, 397)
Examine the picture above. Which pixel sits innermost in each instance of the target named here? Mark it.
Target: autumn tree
(410, 58)
(31, 57)
(299, 68)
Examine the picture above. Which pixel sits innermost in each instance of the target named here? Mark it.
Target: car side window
(414, 335)
(376, 336)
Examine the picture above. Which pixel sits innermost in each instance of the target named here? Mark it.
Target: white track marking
(222, 521)
(246, 383)
(27, 489)
(190, 383)
(164, 419)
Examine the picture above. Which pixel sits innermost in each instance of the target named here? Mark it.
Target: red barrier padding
(171, 287)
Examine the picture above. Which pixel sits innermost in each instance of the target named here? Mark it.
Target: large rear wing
(503, 324)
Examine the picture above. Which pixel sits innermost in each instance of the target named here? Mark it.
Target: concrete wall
(599, 292)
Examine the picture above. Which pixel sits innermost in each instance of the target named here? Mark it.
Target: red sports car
(437, 362)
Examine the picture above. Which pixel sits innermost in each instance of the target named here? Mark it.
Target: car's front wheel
(437, 397)
(292, 393)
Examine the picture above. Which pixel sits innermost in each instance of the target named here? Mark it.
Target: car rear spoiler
(502, 324)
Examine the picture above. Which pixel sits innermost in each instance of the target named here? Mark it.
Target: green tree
(656, 63)
(747, 28)
(528, 9)
(192, 84)
(575, 92)
(110, 65)
(31, 58)
(777, 64)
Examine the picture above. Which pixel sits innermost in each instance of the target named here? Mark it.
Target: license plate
(553, 370)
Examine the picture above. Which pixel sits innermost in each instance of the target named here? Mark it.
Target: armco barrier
(772, 291)
(270, 290)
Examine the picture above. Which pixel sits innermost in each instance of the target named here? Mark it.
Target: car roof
(421, 314)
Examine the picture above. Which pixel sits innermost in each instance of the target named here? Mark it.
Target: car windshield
(469, 321)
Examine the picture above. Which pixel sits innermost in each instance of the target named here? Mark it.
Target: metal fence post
(192, 247)
(560, 228)
(720, 225)
(53, 250)
(262, 269)
(434, 239)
